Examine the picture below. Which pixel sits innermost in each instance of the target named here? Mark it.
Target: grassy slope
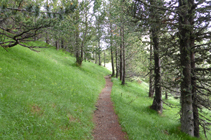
(45, 96)
(140, 122)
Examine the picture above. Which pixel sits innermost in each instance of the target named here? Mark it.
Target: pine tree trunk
(82, 53)
(96, 57)
(84, 38)
(99, 60)
(57, 46)
(120, 57)
(187, 123)
(151, 92)
(157, 102)
(195, 103)
(117, 67)
(104, 57)
(193, 81)
(111, 46)
(123, 57)
(112, 61)
(78, 58)
(46, 38)
(99, 52)
(166, 95)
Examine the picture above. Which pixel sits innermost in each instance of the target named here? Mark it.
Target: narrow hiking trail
(107, 126)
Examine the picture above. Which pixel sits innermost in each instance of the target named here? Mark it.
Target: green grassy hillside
(43, 95)
(139, 121)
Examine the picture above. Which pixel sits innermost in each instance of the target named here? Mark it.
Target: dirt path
(106, 121)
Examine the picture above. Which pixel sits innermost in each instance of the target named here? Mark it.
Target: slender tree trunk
(99, 59)
(57, 46)
(117, 66)
(78, 58)
(166, 95)
(112, 61)
(84, 38)
(46, 38)
(187, 120)
(120, 57)
(96, 57)
(104, 57)
(123, 57)
(151, 92)
(111, 46)
(82, 53)
(99, 52)
(123, 46)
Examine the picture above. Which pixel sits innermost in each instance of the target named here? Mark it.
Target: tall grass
(139, 121)
(45, 96)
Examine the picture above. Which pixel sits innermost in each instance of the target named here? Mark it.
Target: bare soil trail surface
(107, 126)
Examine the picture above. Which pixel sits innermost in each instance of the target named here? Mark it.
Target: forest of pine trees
(165, 43)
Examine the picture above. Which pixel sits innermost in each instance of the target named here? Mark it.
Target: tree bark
(82, 52)
(120, 57)
(93, 56)
(96, 57)
(57, 46)
(166, 95)
(157, 102)
(84, 38)
(104, 57)
(112, 60)
(151, 92)
(117, 66)
(123, 57)
(99, 52)
(195, 103)
(46, 38)
(187, 123)
(78, 58)
(193, 81)
(111, 46)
